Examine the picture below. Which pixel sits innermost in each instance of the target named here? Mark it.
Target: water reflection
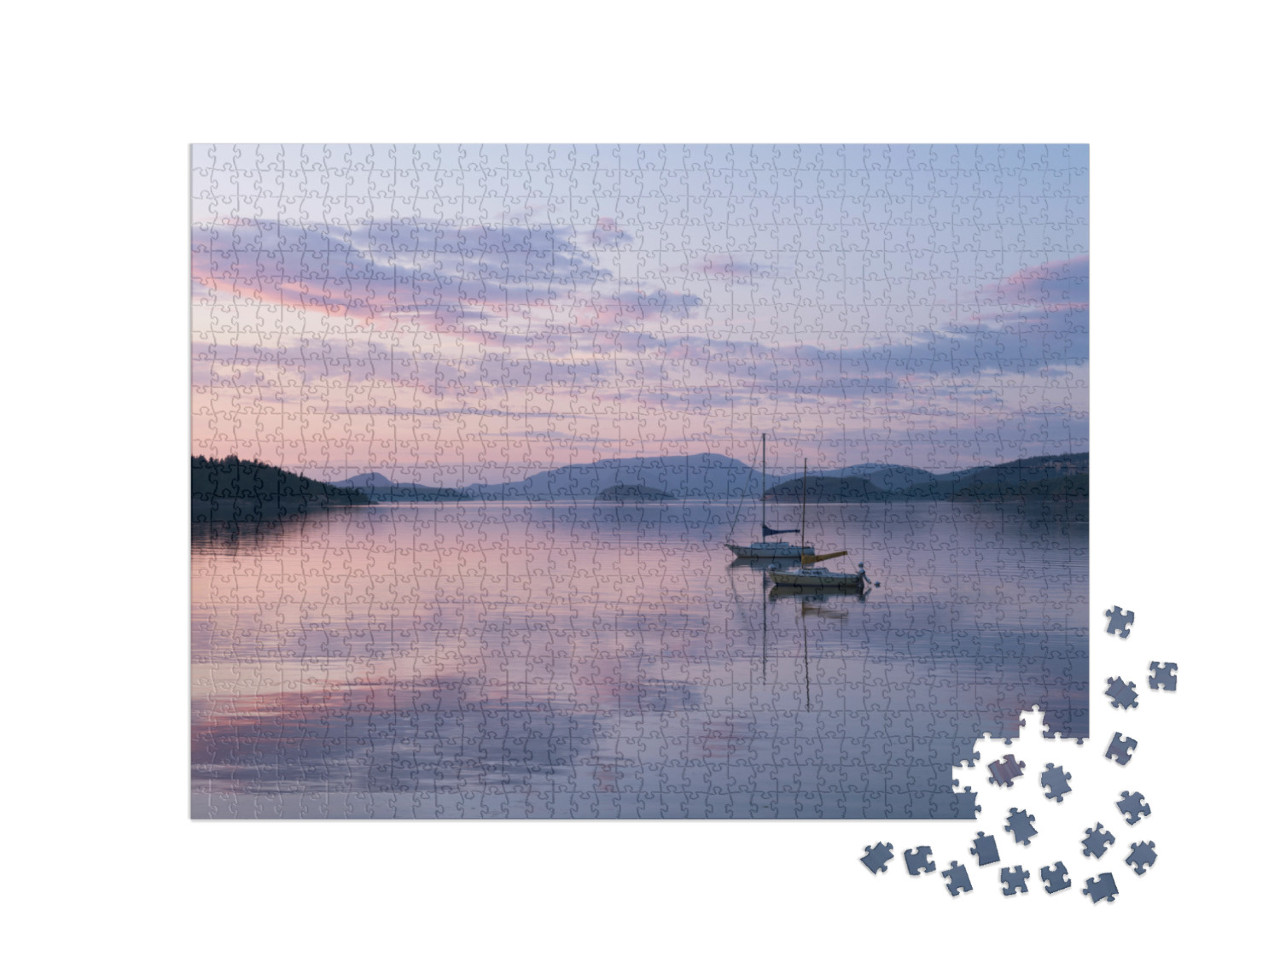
(481, 659)
(417, 735)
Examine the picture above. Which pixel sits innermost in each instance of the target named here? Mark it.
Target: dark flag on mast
(776, 531)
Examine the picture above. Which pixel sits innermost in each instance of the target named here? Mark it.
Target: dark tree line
(249, 487)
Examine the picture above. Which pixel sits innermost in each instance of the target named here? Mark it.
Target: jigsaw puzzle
(1163, 676)
(1141, 856)
(1004, 772)
(1118, 622)
(985, 848)
(1019, 823)
(1123, 694)
(1015, 880)
(1055, 879)
(1096, 841)
(1103, 887)
(1134, 805)
(1121, 749)
(918, 861)
(877, 858)
(1054, 781)
(635, 481)
(957, 879)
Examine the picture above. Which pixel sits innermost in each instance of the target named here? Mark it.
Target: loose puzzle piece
(1121, 749)
(1162, 676)
(1119, 621)
(877, 859)
(1103, 887)
(984, 847)
(1055, 781)
(1141, 856)
(1134, 805)
(1055, 879)
(1096, 841)
(1004, 772)
(918, 860)
(1122, 693)
(1014, 879)
(958, 879)
(1019, 823)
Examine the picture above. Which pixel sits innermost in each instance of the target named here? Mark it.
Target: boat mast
(764, 475)
(804, 494)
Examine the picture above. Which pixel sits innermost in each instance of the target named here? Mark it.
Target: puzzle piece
(1141, 856)
(1055, 781)
(1014, 879)
(1118, 622)
(1019, 823)
(984, 847)
(1121, 749)
(918, 860)
(877, 859)
(1103, 887)
(966, 801)
(1122, 693)
(1134, 805)
(1005, 771)
(1163, 677)
(958, 879)
(1096, 841)
(1055, 879)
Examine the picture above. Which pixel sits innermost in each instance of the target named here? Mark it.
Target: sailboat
(819, 578)
(765, 548)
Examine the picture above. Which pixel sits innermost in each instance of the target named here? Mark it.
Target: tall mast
(804, 495)
(764, 475)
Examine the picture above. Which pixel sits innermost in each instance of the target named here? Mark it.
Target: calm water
(534, 660)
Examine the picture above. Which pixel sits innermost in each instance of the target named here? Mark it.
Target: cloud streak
(435, 274)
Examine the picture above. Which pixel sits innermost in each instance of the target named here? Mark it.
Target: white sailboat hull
(769, 550)
(820, 578)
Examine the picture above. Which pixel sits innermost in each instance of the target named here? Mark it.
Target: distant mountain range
(234, 488)
(708, 476)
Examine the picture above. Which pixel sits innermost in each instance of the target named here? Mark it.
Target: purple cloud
(403, 270)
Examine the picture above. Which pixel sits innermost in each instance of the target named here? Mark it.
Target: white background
(103, 101)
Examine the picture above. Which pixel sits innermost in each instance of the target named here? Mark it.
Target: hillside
(826, 489)
(1046, 478)
(380, 488)
(695, 476)
(1042, 477)
(888, 477)
(234, 489)
(632, 493)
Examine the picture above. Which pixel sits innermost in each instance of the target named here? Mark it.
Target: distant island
(632, 493)
(827, 489)
(380, 488)
(235, 489)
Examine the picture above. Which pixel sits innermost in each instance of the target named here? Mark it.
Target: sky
(460, 314)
